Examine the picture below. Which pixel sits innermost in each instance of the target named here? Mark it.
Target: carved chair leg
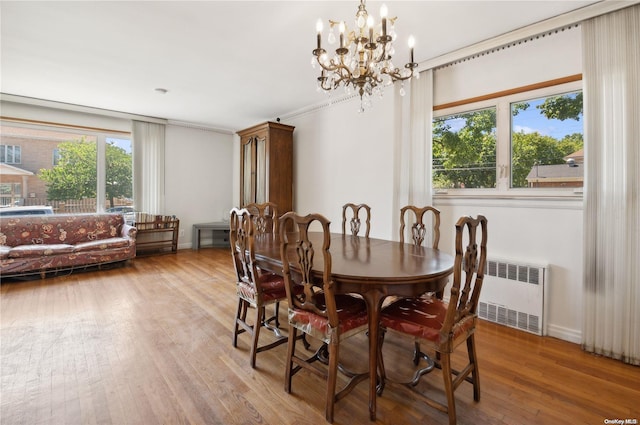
(256, 335)
(291, 348)
(381, 370)
(445, 362)
(331, 381)
(416, 352)
(475, 377)
(236, 327)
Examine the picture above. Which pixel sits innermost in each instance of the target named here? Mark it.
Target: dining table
(373, 268)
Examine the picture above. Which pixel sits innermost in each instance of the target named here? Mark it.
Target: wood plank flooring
(150, 343)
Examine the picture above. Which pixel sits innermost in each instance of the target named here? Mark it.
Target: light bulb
(383, 11)
(319, 25)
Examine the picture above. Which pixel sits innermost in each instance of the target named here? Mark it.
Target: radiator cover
(513, 294)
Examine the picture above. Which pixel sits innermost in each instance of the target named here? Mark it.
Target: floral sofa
(40, 243)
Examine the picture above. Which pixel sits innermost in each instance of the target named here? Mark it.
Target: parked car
(30, 210)
(127, 211)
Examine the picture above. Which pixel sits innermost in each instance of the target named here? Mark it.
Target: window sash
(503, 145)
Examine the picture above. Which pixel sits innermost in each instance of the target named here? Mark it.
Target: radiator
(513, 294)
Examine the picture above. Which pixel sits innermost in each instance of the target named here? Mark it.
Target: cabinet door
(261, 180)
(247, 172)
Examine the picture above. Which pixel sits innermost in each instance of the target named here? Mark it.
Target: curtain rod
(549, 25)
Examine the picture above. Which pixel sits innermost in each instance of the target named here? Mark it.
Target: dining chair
(354, 221)
(443, 326)
(418, 224)
(255, 288)
(265, 216)
(316, 310)
(265, 219)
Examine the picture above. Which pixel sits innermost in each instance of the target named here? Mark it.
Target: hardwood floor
(150, 343)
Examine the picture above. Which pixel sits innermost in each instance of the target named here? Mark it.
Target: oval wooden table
(375, 269)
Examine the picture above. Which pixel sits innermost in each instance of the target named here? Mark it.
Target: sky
(531, 120)
(122, 143)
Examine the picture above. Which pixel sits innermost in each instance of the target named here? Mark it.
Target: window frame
(101, 137)
(14, 149)
(502, 104)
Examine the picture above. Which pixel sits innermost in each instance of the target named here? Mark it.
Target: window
(464, 150)
(546, 142)
(10, 193)
(72, 170)
(515, 143)
(10, 154)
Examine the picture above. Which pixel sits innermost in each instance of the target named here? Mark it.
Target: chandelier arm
(369, 66)
(335, 67)
(396, 76)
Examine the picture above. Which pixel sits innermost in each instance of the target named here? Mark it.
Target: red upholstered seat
(314, 308)
(255, 288)
(352, 315)
(444, 326)
(422, 318)
(271, 288)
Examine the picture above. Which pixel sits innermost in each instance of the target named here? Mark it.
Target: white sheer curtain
(611, 51)
(413, 145)
(148, 166)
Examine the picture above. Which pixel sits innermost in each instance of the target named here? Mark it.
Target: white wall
(198, 177)
(537, 232)
(544, 58)
(343, 156)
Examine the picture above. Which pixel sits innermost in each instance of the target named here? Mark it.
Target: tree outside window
(544, 143)
(74, 177)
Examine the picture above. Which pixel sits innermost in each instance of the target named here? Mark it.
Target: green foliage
(533, 148)
(75, 175)
(563, 107)
(467, 157)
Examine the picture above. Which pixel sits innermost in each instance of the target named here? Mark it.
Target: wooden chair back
(298, 254)
(468, 275)
(442, 326)
(353, 211)
(265, 217)
(241, 238)
(255, 288)
(418, 224)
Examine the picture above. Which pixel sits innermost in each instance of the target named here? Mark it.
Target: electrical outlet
(181, 234)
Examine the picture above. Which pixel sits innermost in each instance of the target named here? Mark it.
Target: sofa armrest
(129, 231)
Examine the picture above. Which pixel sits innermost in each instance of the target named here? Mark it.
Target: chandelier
(362, 62)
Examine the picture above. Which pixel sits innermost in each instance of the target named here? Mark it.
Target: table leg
(374, 300)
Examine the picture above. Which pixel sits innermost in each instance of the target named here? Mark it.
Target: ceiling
(225, 64)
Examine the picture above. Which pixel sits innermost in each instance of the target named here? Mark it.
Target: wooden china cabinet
(266, 165)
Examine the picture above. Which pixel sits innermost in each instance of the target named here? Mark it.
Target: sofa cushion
(4, 252)
(101, 244)
(59, 228)
(24, 251)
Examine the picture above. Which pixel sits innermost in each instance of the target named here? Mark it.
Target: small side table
(219, 230)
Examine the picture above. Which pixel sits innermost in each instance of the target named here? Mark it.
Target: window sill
(526, 198)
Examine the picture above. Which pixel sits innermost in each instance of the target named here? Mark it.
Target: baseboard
(565, 334)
